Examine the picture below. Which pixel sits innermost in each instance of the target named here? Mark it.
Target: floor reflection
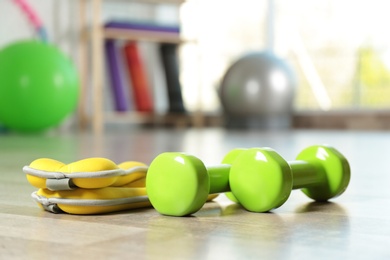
(314, 206)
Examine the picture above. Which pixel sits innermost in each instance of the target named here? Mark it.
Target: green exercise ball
(39, 86)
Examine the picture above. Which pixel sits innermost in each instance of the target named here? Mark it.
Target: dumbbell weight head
(260, 179)
(229, 158)
(167, 180)
(333, 168)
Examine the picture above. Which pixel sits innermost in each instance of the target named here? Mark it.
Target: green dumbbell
(320, 171)
(178, 184)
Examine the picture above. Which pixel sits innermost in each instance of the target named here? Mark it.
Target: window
(339, 49)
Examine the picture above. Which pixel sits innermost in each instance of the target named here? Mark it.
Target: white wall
(59, 18)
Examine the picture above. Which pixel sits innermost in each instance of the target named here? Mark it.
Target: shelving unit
(124, 34)
(95, 35)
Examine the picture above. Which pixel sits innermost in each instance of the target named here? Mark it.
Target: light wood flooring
(355, 225)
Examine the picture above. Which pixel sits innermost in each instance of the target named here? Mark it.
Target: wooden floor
(355, 225)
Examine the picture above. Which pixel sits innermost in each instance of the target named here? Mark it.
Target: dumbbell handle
(219, 178)
(304, 174)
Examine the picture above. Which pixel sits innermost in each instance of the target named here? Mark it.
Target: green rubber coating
(219, 178)
(332, 169)
(260, 179)
(229, 158)
(177, 184)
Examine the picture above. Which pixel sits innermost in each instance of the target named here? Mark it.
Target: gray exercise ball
(259, 86)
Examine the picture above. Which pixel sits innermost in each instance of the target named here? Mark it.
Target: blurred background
(339, 50)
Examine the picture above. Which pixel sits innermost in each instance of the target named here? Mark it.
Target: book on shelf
(142, 98)
(168, 52)
(121, 103)
(149, 51)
